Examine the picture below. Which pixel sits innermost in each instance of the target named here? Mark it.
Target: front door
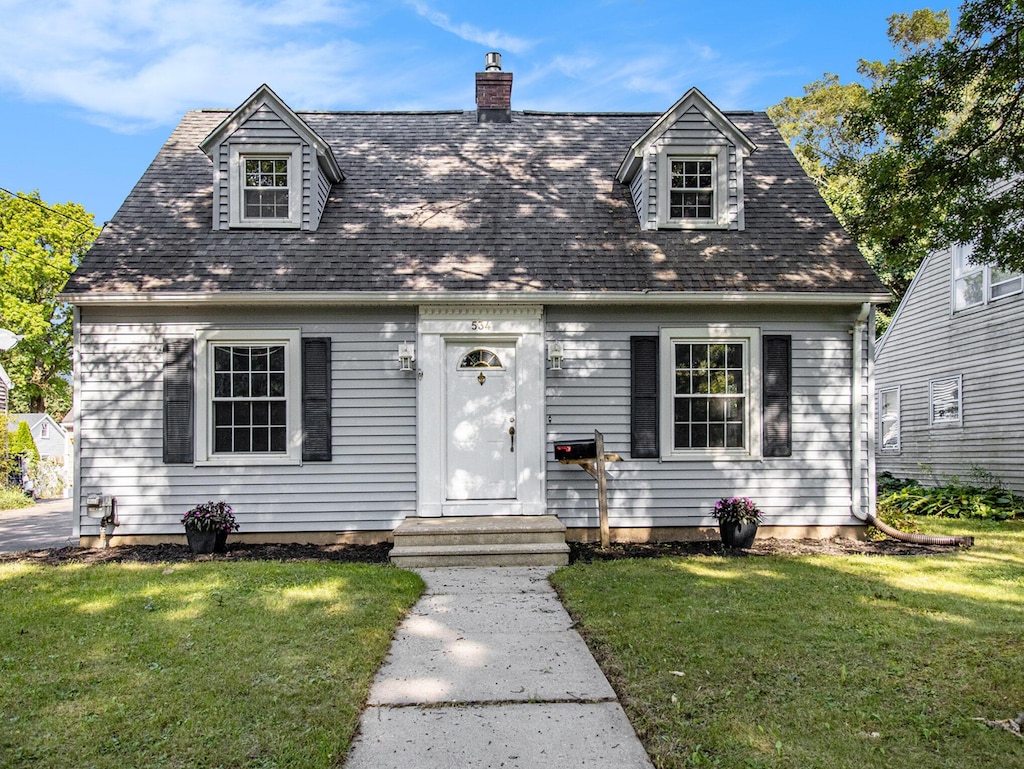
(480, 462)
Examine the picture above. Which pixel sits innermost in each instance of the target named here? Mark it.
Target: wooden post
(602, 491)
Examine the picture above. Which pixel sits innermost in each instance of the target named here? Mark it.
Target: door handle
(512, 435)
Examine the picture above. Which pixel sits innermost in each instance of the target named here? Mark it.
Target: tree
(22, 444)
(949, 121)
(41, 245)
(826, 129)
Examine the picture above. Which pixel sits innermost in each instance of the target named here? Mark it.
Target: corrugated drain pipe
(919, 539)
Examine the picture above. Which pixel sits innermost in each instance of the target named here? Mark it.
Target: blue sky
(90, 89)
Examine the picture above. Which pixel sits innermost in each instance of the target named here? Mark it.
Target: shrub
(737, 510)
(210, 516)
(13, 498)
(954, 500)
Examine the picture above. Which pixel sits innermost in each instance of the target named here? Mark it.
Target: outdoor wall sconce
(555, 355)
(406, 355)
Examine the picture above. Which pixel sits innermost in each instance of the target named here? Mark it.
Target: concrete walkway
(42, 525)
(487, 671)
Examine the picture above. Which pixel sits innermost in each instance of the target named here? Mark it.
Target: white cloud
(138, 63)
(496, 41)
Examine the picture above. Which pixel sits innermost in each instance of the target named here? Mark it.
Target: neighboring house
(948, 375)
(335, 321)
(51, 439)
(6, 385)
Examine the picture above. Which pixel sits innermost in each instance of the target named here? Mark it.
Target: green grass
(816, 661)
(206, 664)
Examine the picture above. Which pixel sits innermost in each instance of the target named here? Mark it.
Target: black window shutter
(643, 428)
(777, 395)
(316, 399)
(179, 401)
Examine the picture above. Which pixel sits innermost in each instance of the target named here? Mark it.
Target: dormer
(686, 171)
(270, 169)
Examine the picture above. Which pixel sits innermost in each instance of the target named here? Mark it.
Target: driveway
(42, 525)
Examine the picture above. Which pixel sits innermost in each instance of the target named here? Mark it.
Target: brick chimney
(493, 92)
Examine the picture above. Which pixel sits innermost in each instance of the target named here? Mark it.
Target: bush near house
(898, 499)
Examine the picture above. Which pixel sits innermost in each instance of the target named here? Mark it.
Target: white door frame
(480, 325)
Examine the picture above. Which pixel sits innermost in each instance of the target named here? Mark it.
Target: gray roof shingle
(438, 202)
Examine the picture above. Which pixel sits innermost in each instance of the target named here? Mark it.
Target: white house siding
(984, 345)
(368, 485)
(812, 487)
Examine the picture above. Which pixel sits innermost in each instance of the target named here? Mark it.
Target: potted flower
(207, 526)
(738, 519)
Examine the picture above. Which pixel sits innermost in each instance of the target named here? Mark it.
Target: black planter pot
(204, 542)
(736, 534)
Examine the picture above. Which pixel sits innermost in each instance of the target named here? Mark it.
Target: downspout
(856, 408)
(856, 462)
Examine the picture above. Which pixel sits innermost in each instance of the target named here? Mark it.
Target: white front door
(480, 462)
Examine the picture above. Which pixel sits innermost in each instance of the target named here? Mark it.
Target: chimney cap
(492, 62)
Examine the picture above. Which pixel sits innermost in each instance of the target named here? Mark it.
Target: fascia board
(268, 298)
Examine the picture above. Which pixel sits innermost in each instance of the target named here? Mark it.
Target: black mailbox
(566, 450)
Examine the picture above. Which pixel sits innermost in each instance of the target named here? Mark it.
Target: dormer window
(266, 186)
(692, 187)
(692, 192)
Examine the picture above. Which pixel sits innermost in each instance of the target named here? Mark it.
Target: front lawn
(842, 662)
(201, 664)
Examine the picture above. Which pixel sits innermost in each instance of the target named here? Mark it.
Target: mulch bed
(578, 552)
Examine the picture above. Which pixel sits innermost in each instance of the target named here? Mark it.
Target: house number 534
(480, 325)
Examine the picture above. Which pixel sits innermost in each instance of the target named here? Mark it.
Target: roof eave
(804, 298)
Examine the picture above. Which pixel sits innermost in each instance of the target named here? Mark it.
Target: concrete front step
(481, 541)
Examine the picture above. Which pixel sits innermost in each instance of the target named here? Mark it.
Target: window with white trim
(693, 187)
(889, 419)
(944, 398)
(248, 396)
(266, 186)
(978, 284)
(711, 405)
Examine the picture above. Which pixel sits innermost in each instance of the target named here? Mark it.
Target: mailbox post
(590, 455)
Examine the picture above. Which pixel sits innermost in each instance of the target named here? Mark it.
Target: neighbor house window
(249, 399)
(44, 430)
(889, 419)
(711, 405)
(266, 186)
(977, 284)
(944, 395)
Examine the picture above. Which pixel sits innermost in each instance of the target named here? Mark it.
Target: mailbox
(567, 450)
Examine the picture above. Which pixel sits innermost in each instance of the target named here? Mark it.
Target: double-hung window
(693, 187)
(945, 401)
(266, 186)
(889, 419)
(248, 396)
(713, 404)
(978, 284)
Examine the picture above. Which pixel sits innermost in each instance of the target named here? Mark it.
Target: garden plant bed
(584, 552)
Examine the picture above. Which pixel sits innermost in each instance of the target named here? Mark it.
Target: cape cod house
(339, 321)
(949, 377)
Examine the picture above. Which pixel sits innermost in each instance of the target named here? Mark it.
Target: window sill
(244, 460)
(713, 456)
(681, 225)
(265, 224)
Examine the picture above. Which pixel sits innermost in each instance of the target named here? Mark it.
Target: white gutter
(856, 408)
(265, 298)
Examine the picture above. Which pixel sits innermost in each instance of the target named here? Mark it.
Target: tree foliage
(827, 129)
(22, 444)
(41, 245)
(949, 122)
